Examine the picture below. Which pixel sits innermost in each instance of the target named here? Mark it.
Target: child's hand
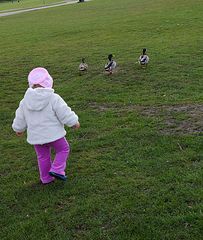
(76, 126)
(19, 134)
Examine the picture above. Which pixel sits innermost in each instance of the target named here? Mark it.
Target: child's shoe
(58, 176)
(48, 179)
(46, 183)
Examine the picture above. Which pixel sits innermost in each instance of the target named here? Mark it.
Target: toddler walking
(43, 114)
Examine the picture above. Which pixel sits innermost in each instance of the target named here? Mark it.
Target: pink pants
(62, 149)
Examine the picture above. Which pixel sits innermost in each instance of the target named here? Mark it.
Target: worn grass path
(19, 11)
(15, 5)
(135, 170)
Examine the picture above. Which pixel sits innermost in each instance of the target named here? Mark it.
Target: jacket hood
(38, 98)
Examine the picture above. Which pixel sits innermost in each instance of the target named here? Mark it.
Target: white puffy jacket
(43, 113)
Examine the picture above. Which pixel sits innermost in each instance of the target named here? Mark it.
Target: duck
(83, 66)
(111, 64)
(144, 58)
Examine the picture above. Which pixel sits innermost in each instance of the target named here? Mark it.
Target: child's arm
(76, 126)
(19, 134)
(65, 114)
(19, 124)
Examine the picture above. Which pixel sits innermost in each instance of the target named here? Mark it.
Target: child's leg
(62, 150)
(44, 162)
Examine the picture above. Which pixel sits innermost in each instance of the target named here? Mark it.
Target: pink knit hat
(40, 76)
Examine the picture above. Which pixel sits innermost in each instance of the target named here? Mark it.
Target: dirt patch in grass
(171, 119)
(182, 119)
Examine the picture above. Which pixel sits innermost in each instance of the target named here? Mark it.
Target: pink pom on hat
(40, 76)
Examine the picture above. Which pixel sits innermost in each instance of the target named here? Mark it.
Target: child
(143, 59)
(83, 66)
(111, 65)
(43, 114)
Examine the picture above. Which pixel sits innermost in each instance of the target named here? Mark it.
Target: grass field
(136, 167)
(9, 5)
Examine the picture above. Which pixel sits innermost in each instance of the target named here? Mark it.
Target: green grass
(131, 176)
(9, 5)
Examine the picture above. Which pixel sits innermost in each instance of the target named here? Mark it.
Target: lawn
(21, 4)
(135, 170)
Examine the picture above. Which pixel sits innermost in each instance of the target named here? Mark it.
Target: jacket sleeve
(64, 112)
(19, 122)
